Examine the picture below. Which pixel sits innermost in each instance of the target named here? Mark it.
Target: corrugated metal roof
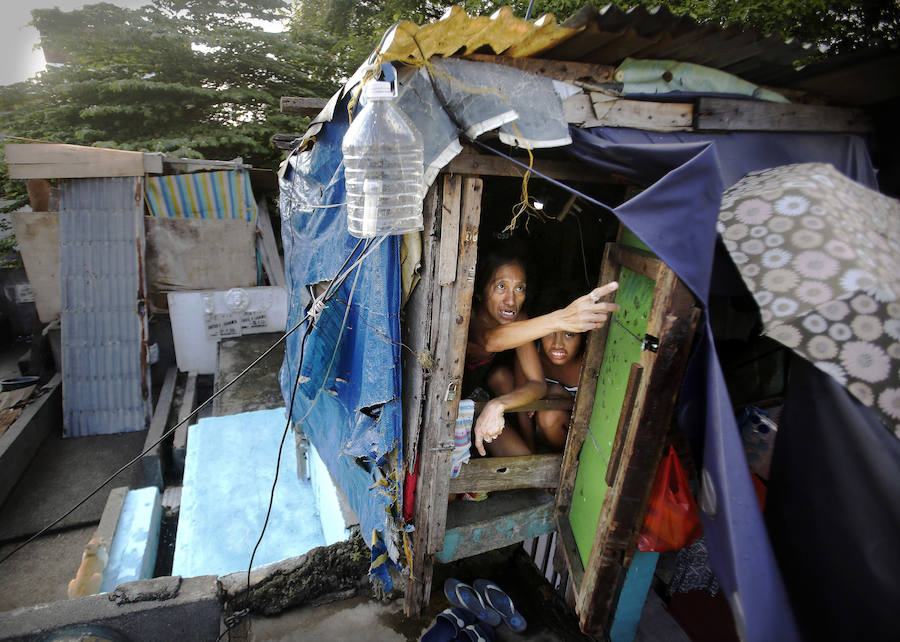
(610, 35)
(104, 322)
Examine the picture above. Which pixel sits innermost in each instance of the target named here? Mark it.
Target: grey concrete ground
(62, 473)
(41, 572)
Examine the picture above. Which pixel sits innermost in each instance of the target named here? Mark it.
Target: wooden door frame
(647, 410)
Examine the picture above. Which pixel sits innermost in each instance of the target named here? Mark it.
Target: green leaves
(194, 78)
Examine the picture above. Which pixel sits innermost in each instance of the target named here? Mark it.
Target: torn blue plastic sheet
(348, 398)
(676, 218)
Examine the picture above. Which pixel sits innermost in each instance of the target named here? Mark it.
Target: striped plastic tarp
(202, 195)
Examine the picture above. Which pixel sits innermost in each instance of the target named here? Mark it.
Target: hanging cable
(341, 275)
(238, 616)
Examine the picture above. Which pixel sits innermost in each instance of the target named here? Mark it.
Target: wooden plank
(449, 230)
(564, 70)
(567, 554)
(644, 263)
(506, 473)
(728, 114)
(599, 110)
(470, 162)
(459, 309)
(416, 330)
(302, 106)
(152, 461)
(37, 234)
(179, 440)
(198, 254)
(615, 457)
(549, 403)
(500, 520)
(267, 247)
(452, 307)
(12, 403)
(52, 160)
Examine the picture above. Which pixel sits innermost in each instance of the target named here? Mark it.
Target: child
(560, 354)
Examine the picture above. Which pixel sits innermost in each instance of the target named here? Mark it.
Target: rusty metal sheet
(106, 379)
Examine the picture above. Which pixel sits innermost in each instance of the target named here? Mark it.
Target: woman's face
(561, 347)
(504, 293)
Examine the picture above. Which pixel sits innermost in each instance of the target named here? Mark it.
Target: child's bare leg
(508, 444)
(553, 426)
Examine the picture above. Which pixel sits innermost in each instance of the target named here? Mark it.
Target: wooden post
(450, 326)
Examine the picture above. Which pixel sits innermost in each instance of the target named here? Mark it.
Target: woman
(499, 323)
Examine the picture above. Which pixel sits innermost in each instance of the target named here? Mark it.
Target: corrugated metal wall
(106, 380)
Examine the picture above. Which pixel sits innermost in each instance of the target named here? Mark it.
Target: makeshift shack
(631, 149)
(102, 267)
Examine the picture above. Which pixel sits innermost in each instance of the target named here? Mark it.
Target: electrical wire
(342, 274)
(237, 617)
(156, 443)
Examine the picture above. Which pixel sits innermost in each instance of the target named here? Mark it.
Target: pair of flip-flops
(487, 601)
(457, 624)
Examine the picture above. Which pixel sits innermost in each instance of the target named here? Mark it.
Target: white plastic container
(383, 168)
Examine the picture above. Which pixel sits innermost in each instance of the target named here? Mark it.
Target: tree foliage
(192, 78)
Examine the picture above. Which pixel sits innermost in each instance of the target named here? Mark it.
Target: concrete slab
(41, 571)
(145, 610)
(132, 555)
(63, 472)
(260, 388)
(229, 469)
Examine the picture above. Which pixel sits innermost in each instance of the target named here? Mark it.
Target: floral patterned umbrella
(821, 255)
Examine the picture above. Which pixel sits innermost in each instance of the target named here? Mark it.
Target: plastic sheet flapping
(676, 217)
(348, 398)
(348, 401)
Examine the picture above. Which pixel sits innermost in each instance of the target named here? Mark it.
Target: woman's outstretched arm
(584, 313)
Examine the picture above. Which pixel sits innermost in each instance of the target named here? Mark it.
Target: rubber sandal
(465, 597)
(477, 633)
(496, 599)
(447, 625)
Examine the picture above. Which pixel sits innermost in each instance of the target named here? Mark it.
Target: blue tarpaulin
(676, 218)
(348, 398)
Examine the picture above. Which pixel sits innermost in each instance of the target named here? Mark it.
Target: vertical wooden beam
(416, 329)
(450, 331)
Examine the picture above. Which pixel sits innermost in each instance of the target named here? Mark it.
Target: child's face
(561, 347)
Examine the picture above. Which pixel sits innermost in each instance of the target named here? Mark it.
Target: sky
(20, 60)
(17, 40)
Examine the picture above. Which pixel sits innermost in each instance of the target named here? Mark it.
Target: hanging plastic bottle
(383, 167)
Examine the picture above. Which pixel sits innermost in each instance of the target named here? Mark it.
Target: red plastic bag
(672, 520)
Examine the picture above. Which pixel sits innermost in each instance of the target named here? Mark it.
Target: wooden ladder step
(504, 518)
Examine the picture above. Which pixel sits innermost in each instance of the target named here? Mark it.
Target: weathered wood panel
(416, 330)
(564, 70)
(452, 308)
(302, 106)
(506, 473)
(54, 160)
(727, 114)
(198, 254)
(599, 110)
(500, 520)
(152, 461)
(472, 163)
(37, 234)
